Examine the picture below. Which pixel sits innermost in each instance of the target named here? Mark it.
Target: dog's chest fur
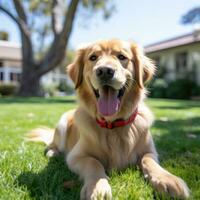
(115, 148)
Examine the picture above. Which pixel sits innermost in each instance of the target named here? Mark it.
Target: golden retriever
(110, 129)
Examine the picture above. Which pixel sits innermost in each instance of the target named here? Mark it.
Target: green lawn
(25, 173)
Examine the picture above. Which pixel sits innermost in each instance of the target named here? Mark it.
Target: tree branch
(57, 50)
(20, 10)
(9, 14)
(22, 27)
(27, 47)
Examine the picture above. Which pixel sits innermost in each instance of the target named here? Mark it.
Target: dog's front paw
(170, 184)
(96, 190)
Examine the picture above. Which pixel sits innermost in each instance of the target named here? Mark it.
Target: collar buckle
(109, 125)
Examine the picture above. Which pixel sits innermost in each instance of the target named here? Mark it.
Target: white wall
(167, 59)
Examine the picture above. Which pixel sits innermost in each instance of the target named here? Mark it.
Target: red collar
(117, 123)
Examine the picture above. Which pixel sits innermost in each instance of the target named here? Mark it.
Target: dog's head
(109, 76)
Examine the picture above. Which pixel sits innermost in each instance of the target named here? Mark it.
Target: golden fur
(92, 150)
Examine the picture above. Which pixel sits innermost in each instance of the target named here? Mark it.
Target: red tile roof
(174, 42)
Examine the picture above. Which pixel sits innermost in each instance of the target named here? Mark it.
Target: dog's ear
(75, 70)
(144, 66)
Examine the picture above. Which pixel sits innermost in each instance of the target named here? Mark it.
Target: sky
(144, 21)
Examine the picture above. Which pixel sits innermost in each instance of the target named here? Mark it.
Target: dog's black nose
(105, 72)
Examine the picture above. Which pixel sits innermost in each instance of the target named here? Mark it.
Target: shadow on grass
(180, 135)
(49, 183)
(32, 100)
(178, 124)
(178, 143)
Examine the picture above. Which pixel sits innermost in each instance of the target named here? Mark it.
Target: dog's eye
(93, 57)
(121, 57)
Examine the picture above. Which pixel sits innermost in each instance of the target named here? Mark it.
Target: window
(13, 77)
(181, 62)
(1, 63)
(157, 60)
(1, 76)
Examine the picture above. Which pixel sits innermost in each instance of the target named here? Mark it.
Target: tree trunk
(32, 69)
(30, 83)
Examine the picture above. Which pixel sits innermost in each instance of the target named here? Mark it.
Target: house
(10, 62)
(178, 57)
(10, 66)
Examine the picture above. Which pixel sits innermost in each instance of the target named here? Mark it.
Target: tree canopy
(4, 35)
(192, 16)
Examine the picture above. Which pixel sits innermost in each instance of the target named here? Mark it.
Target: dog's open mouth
(108, 99)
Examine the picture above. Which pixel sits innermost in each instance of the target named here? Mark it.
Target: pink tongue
(108, 103)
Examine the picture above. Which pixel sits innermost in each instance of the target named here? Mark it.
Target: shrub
(64, 87)
(49, 89)
(180, 89)
(158, 88)
(196, 91)
(8, 89)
